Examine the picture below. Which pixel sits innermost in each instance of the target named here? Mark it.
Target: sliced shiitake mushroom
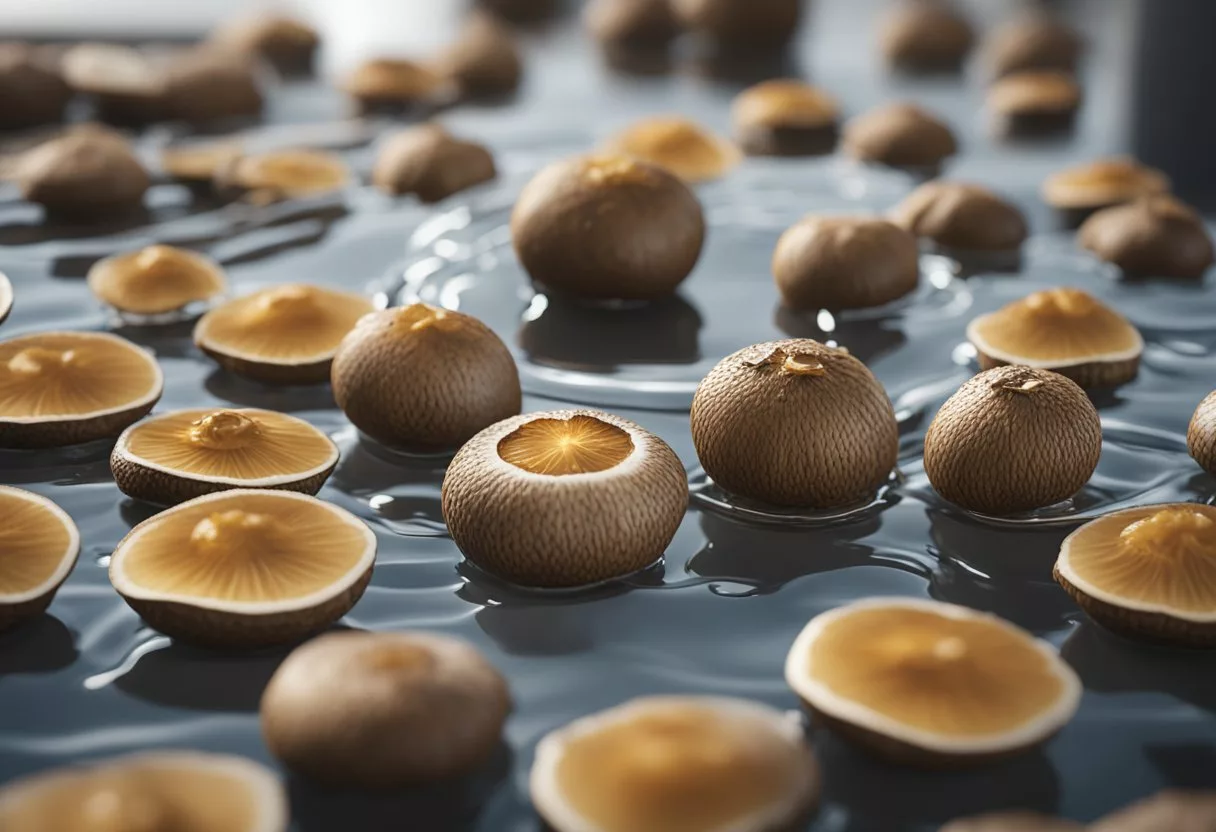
(40, 544)
(156, 280)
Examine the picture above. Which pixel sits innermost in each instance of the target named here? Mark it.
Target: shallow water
(739, 581)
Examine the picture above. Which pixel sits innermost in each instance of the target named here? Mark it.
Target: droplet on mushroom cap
(676, 763)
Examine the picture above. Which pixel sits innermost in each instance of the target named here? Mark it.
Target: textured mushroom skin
(636, 233)
(559, 531)
(1157, 236)
(1095, 375)
(816, 440)
(65, 432)
(430, 162)
(1138, 624)
(1201, 434)
(211, 628)
(86, 175)
(163, 489)
(961, 216)
(456, 381)
(762, 140)
(13, 614)
(844, 263)
(900, 136)
(441, 727)
(998, 450)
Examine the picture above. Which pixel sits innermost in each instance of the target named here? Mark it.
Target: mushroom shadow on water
(450, 806)
(87, 463)
(134, 512)
(367, 467)
(171, 340)
(741, 67)
(881, 797)
(285, 399)
(1109, 663)
(580, 336)
(179, 676)
(867, 339)
(1184, 765)
(973, 263)
(24, 231)
(980, 563)
(769, 557)
(41, 645)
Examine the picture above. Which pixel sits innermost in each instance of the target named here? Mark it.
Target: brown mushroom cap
(393, 82)
(678, 145)
(432, 163)
(795, 423)
(156, 279)
(178, 456)
(162, 791)
(784, 102)
(384, 710)
(1147, 571)
(1012, 822)
(284, 174)
(206, 85)
(609, 227)
(1102, 183)
(62, 388)
(1171, 810)
(1012, 439)
(637, 23)
(1035, 42)
(676, 763)
(844, 263)
(734, 25)
(40, 545)
(961, 216)
(288, 44)
(1201, 434)
(112, 70)
(923, 681)
(1034, 92)
(34, 91)
(515, 498)
(1153, 236)
(462, 377)
(87, 175)
(1065, 330)
(900, 135)
(285, 334)
(925, 36)
(245, 568)
(485, 60)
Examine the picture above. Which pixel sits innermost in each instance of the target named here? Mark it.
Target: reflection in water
(881, 797)
(978, 562)
(741, 68)
(565, 333)
(869, 339)
(1109, 663)
(439, 807)
(73, 465)
(286, 399)
(42, 645)
(173, 340)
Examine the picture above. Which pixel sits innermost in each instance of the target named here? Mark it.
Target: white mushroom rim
(270, 814)
(798, 676)
(129, 589)
(201, 340)
(787, 726)
(154, 392)
(67, 559)
(6, 296)
(122, 448)
(978, 341)
(1064, 565)
(643, 444)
